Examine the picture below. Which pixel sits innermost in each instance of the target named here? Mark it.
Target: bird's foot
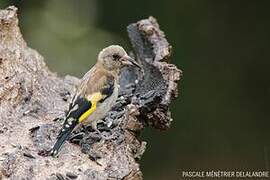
(103, 136)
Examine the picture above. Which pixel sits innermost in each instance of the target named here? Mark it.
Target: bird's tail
(62, 137)
(68, 126)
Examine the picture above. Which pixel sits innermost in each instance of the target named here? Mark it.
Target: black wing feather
(71, 122)
(74, 114)
(83, 105)
(107, 91)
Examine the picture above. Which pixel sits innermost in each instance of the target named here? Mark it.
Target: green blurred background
(221, 119)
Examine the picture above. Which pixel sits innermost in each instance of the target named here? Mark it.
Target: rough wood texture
(31, 97)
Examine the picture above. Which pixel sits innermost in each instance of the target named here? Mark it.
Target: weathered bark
(31, 97)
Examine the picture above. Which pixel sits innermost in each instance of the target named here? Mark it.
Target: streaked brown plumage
(96, 93)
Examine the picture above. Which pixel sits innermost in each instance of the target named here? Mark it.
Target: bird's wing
(91, 91)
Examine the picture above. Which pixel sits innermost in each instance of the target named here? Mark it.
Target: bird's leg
(94, 126)
(83, 127)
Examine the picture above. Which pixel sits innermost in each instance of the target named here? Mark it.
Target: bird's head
(114, 57)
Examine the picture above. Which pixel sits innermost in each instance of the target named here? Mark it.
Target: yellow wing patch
(87, 113)
(94, 99)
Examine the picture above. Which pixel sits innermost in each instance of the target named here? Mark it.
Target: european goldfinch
(96, 93)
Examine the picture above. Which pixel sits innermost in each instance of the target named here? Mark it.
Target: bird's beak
(127, 60)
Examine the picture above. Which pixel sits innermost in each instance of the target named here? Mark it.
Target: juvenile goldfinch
(96, 93)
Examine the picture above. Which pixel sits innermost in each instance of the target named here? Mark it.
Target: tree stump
(31, 96)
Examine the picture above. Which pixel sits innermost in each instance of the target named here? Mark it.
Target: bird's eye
(116, 56)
